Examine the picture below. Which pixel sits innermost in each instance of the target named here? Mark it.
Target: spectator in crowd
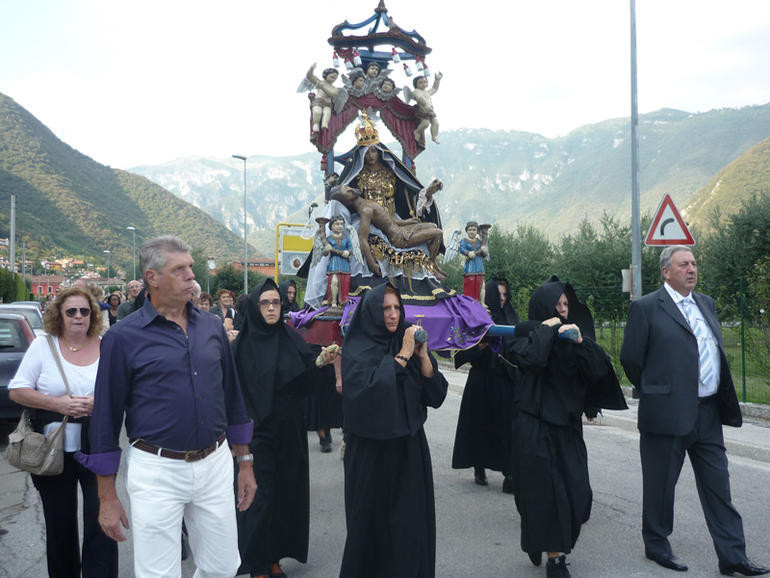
(74, 322)
(134, 287)
(169, 370)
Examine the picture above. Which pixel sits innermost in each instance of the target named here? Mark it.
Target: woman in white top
(74, 321)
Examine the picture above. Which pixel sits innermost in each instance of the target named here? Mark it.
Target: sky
(142, 82)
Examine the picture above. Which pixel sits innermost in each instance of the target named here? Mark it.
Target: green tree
(230, 277)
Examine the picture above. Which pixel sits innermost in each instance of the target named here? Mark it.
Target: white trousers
(161, 492)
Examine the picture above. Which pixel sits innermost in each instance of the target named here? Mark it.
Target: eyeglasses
(84, 311)
(267, 303)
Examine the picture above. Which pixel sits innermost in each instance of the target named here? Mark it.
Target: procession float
(379, 222)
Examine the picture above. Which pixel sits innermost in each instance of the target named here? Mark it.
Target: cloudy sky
(147, 81)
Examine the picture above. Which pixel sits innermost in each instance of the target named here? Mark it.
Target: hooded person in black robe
(288, 302)
(560, 377)
(276, 370)
(483, 437)
(388, 382)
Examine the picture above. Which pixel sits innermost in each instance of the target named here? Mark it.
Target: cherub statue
(374, 75)
(422, 97)
(328, 96)
(338, 247)
(386, 89)
(402, 234)
(474, 250)
(355, 84)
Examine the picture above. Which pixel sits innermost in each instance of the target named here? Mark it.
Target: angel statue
(328, 96)
(475, 250)
(338, 247)
(422, 97)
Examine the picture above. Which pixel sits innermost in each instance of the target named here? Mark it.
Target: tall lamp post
(133, 249)
(245, 245)
(211, 266)
(107, 252)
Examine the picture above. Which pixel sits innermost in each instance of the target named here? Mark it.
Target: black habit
(559, 379)
(276, 370)
(389, 502)
(483, 437)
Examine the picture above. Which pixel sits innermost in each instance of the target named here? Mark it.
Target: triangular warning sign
(668, 227)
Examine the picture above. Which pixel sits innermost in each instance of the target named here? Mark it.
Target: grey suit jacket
(660, 357)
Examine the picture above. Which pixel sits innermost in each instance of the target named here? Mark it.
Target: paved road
(478, 528)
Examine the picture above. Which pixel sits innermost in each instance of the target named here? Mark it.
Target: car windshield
(32, 317)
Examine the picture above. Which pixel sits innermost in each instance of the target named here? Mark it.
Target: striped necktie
(698, 326)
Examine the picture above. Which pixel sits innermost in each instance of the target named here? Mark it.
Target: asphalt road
(477, 527)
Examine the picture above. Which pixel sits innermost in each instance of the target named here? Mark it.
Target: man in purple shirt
(169, 370)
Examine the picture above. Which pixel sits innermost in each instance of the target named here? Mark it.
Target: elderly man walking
(127, 308)
(673, 353)
(169, 370)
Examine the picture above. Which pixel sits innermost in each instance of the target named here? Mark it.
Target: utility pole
(12, 239)
(636, 233)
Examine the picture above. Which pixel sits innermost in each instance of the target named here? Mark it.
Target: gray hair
(668, 253)
(154, 253)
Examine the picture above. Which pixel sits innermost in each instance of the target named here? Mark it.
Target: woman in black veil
(288, 291)
(389, 379)
(277, 370)
(563, 371)
(483, 437)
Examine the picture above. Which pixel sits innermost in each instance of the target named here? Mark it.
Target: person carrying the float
(563, 371)
(389, 379)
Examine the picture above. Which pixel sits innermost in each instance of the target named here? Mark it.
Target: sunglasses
(84, 311)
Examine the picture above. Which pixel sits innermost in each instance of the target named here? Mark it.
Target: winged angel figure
(329, 96)
(453, 246)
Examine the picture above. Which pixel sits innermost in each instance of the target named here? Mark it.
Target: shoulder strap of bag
(57, 359)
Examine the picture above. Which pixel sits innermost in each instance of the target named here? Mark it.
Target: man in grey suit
(673, 353)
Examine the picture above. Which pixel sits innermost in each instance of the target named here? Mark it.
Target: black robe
(389, 501)
(483, 437)
(323, 408)
(550, 461)
(276, 370)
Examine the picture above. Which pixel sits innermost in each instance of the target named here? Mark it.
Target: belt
(188, 456)
(708, 398)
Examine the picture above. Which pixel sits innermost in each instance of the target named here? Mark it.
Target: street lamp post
(133, 249)
(211, 264)
(107, 252)
(245, 244)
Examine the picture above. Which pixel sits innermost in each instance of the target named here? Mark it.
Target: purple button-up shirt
(177, 391)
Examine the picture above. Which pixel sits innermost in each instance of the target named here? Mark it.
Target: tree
(230, 277)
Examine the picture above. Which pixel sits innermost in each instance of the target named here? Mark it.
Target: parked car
(15, 337)
(35, 303)
(30, 312)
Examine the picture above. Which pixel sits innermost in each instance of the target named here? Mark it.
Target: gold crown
(366, 133)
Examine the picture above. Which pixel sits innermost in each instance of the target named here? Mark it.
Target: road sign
(668, 227)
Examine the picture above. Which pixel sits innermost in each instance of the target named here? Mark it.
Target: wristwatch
(245, 458)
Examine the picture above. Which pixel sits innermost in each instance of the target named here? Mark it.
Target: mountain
(746, 176)
(504, 177)
(68, 203)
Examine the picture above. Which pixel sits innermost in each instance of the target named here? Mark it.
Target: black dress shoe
(507, 485)
(667, 561)
(744, 568)
(480, 476)
(535, 557)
